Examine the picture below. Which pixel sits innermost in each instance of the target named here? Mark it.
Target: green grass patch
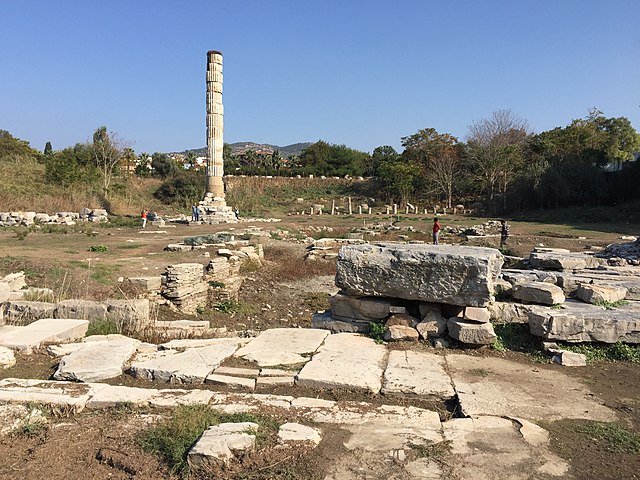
(98, 248)
(103, 273)
(611, 305)
(232, 308)
(596, 352)
(173, 437)
(617, 438)
(517, 337)
(102, 327)
(129, 246)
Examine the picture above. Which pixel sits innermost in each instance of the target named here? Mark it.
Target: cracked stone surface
(417, 373)
(282, 346)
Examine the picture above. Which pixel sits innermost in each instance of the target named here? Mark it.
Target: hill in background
(241, 147)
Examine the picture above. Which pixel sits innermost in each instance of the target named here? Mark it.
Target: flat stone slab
(582, 322)
(452, 274)
(495, 386)
(346, 361)
(108, 396)
(191, 366)
(238, 372)
(488, 446)
(570, 282)
(296, 432)
(277, 372)
(172, 397)
(282, 346)
(66, 396)
(233, 382)
(275, 381)
(417, 373)
(184, 343)
(220, 443)
(97, 360)
(538, 292)
(564, 261)
(42, 332)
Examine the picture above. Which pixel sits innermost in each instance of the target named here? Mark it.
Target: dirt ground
(98, 445)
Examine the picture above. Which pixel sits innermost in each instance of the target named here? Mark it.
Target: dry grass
(284, 263)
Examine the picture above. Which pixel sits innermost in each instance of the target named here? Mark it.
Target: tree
(162, 165)
(398, 178)
(107, 149)
(495, 147)
(13, 148)
(439, 156)
(70, 165)
(48, 149)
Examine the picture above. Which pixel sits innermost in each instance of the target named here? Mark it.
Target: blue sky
(362, 73)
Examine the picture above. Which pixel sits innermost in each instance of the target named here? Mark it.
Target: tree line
(502, 164)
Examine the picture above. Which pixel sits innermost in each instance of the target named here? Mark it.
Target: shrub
(98, 248)
(102, 327)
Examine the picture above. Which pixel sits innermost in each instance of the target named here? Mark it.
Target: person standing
(143, 216)
(436, 231)
(194, 213)
(504, 233)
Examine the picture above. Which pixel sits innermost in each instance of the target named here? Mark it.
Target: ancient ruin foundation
(214, 205)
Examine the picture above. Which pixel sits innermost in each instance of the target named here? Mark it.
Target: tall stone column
(215, 128)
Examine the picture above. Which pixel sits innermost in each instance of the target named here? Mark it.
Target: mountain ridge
(237, 148)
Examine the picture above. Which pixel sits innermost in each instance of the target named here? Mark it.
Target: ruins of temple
(214, 205)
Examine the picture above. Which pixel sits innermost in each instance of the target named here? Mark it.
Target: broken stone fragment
(295, 432)
(570, 359)
(220, 443)
(396, 333)
(477, 314)
(538, 292)
(470, 332)
(403, 319)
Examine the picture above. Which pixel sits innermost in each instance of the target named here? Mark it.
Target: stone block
(564, 261)
(42, 332)
(477, 314)
(81, 309)
(434, 325)
(132, 315)
(233, 382)
(570, 359)
(359, 308)
(403, 319)
(325, 321)
(220, 443)
(397, 333)
(452, 274)
(600, 293)
(471, 333)
(282, 346)
(147, 283)
(538, 292)
(417, 373)
(295, 432)
(22, 312)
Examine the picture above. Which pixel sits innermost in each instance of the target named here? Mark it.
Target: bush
(183, 189)
(98, 248)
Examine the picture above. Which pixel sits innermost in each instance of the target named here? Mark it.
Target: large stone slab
(564, 261)
(97, 360)
(487, 447)
(470, 332)
(108, 396)
(65, 396)
(345, 361)
(22, 312)
(185, 343)
(417, 373)
(600, 293)
(582, 322)
(570, 282)
(496, 386)
(42, 332)
(191, 366)
(359, 308)
(282, 346)
(450, 274)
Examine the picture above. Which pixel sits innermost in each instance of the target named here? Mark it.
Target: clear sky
(359, 72)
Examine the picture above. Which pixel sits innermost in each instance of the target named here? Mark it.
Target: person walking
(236, 211)
(143, 216)
(504, 233)
(436, 231)
(194, 213)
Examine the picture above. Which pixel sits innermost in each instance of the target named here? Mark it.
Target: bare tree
(107, 149)
(495, 147)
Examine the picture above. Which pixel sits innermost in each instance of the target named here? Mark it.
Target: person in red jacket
(143, 216)
(436, 231)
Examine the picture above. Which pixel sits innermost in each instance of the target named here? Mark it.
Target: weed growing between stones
(611, 305)
(516, 337)
(616, 438)
(617, 352)
(173, 437)
(103, 327)
(377, 331)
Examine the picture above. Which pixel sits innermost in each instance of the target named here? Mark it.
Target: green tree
(12, 148)
(380, 155)
(162, 165)
(48, 149)
(398, 178)
(107, 149)
(70, 166)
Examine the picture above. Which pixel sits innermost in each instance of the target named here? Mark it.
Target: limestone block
(42, 332)
(326, 321)
(16, 281)
(403, 319)
(220, 443)
(147, 283)
(538, 292)
(570, 359)
(295, 432)
(109, 396)
(434, 325)
(359, 308)
(132, 315)
(282, 346)
(469, 332)
(396, 333)
(570, 282)
(237, 372)
(509, 312)
(7, 358)
(70, 397)
(600, 293)
(583, 322)
(81, 309)
(275, 381)
(417, 373)
(229, 381)
(564, 261)
(477, 314)
(24, 312)
(450, 274)
(347, 361)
